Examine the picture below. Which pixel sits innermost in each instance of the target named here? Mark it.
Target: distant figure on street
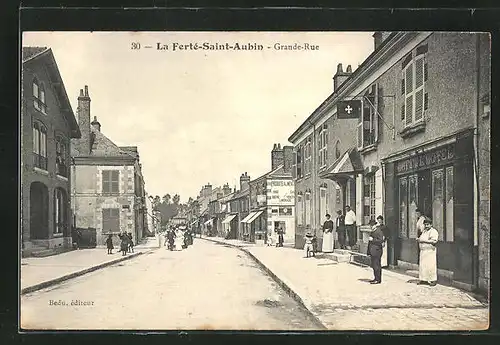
(309, 245)
(170, 239)
(124, 243)
(109, 244)
(327, 235)
(130, 243)
(375, 248)
(350, 225)
(280, 241)
(427, 268)
(341, 232)
(179, 239)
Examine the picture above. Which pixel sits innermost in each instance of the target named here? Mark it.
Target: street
(206, 286)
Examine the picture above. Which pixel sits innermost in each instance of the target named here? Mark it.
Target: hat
(308, 233)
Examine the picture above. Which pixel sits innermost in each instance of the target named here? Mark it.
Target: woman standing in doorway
(427, 269)
(327, 235)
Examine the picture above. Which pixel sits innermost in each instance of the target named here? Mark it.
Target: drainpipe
(313, 175)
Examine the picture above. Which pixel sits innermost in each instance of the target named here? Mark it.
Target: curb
(279, 281)
(61, 279)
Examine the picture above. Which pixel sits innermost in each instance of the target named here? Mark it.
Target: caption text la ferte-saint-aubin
(175, 46)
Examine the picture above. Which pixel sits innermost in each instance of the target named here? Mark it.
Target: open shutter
(360, 127)
(294, 164)
(376, 113)
(419, 88)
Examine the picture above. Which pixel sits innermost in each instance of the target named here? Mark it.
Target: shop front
(438, 180)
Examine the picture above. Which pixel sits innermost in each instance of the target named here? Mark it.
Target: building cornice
(102, 160)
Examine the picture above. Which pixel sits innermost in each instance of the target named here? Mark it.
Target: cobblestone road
(207, 286)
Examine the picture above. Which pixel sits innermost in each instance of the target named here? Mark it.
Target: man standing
(350, 225)
(375, 248)
(340, 225)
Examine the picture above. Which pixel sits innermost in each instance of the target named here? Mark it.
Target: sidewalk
(339, 295)
(38, 273)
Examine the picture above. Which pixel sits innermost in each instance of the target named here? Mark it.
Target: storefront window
(369, 199)
(412, 205)
(300, 210)
(308, 209)
(449, 204)
(438, 201)
(322, 200)
(403, 207)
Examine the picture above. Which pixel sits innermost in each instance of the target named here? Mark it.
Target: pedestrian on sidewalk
(309, 246)
(375, 248)
(427, 268)
(124, 243)
(130, 243)
(109, 243)
(327, 235)
(340, 227)
(350, 225)
(280, 236)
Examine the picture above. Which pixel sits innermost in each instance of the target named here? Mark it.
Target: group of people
(345, 226)
(278, 238)
(126, 243)
(178, 238)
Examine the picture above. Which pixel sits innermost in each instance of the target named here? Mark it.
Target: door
(39, 212)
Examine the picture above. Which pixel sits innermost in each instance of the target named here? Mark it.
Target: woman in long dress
(427, 269)
(327, 235)
(179, 239)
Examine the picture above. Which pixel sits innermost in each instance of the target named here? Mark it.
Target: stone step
(337, 257)
(49, 252)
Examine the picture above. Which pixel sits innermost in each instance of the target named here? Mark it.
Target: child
(309, 247)
(130, 243)
(109, 244)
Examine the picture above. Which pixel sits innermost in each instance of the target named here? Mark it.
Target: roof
(276, 173)
(347, 164)
(307, 123)
(32, 54)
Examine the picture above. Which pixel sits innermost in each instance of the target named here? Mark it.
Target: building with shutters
(47, 126)
(108, 186)
(271, 200)
(239, 204)
(417, 145)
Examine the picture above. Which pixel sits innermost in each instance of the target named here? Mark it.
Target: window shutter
(403, 85)
(409, 109)
(403, 111)
(419, 104)
(419, 73)
(294, 165)
(377, 113)
(360, 127)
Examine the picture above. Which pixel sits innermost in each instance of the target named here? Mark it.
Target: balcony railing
(39, 161)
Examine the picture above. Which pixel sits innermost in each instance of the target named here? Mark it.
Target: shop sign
(425, 160)
(282, 192)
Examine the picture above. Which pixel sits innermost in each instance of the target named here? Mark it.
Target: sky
(201, 116)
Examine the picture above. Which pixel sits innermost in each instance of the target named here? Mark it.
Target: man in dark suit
(341, 231)
(375, 247)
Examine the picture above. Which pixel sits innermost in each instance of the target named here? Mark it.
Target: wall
(55, 123)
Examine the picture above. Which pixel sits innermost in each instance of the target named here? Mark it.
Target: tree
(176, 199)
(166, 199)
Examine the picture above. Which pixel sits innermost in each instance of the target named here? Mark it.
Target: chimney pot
(81, 92)
(349, 69)
(339, 68)
(279, 146)
(86, 91)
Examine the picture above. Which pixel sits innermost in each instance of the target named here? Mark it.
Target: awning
(250, 215)
(228, 219)
(254, 217)
(346, 166)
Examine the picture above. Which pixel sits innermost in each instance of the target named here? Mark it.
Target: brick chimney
(277, 157)
(244, 181)
(379, 37)
(83, 111)
(226, 189)
(340, 77)
(96, 124)
(287, 159)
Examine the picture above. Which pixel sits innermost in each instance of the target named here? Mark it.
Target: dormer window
(39, 96)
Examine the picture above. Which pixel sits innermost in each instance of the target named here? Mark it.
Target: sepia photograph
(254, 180)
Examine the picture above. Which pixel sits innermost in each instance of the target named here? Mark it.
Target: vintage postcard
(255, 181)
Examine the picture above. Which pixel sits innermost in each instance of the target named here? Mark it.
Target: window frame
(307, 157)
(424, 102)
(368, 128)
(39, 96)
(369, 186)
(110, 182)
(40, 158)
(323, 146)
(300, 210)
(61, 155)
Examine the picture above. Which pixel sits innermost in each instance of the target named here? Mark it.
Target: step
(49, 252)
(337, 257)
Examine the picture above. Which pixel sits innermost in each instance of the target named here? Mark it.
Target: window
(110, 181)
(61, 163)
(308, 209)
(369, 199)
(322, 145)
(443, 203)
(338, 195)
(110, 220)
(307, 157)
(39, 96)
(408, 200)
(299, 166)
(300, 210)
(323, 201)
(39, 146)
(368, 121)
(413, 81)
(60, 210)
(337, 149)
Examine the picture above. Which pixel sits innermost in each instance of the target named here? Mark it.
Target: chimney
(226, 189)
(379, 37)
(244, 181)
(96, 124)
(287, 159)
(84, 120)
(340, 77)
(276, 156)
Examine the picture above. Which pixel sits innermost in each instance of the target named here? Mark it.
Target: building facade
(418, 145)
(47, 126)
(108, 187)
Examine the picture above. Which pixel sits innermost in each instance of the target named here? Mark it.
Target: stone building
(108, 186)
(239, 204)
(271, 198)
(47, 126)
(418, 145)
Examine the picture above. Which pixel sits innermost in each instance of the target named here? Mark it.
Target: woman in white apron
(427, 268)
(328, 239)
(179, 239)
